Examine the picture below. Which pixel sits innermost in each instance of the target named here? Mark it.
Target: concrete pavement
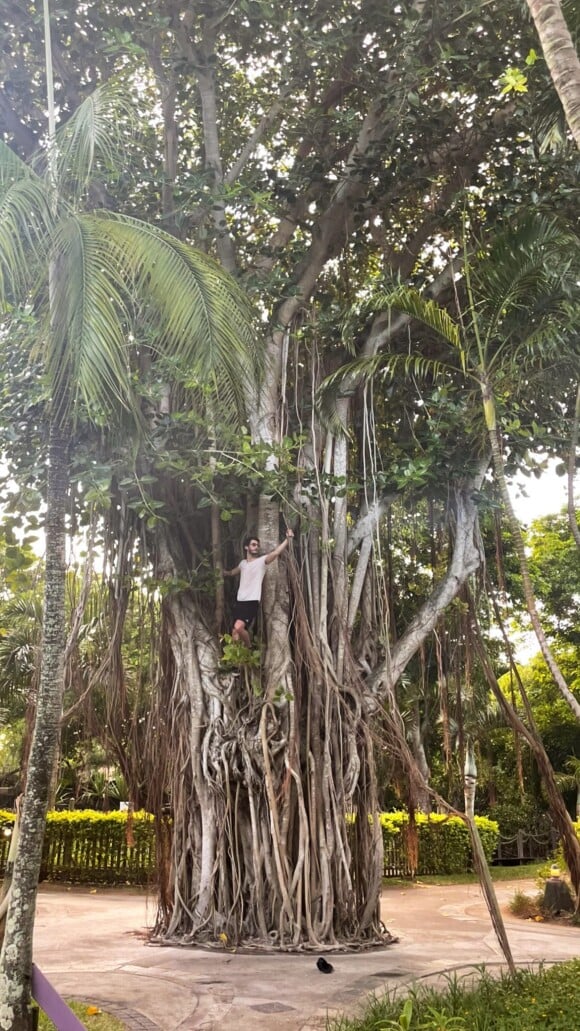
(93, 945)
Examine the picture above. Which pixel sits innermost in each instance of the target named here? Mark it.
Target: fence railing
(101, 855)
(525, 846)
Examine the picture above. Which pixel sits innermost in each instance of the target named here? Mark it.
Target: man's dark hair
(250, 537)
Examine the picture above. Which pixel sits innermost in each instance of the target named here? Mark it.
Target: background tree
(490, 334)
(555, 568)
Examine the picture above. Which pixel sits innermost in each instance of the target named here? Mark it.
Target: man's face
(253, 546)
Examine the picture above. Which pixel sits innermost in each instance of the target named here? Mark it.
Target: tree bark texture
(480, 861)
(271, 793)
(561, 57)
(572, 517)
(16, 956)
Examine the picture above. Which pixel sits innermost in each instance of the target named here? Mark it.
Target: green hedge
(443, 842)
(89, 847)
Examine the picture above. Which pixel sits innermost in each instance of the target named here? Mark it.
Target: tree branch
(466, 558)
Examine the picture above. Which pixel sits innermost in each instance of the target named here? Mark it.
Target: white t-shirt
(251, 577)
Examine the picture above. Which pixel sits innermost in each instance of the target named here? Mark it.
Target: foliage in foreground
(547, 1000)
(92, 1017)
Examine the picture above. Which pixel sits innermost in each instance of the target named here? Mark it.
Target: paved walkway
(92, 945)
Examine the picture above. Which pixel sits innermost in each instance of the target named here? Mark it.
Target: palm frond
(527, 262)
(363, 369)
(196, 309)
(113, 275)
(423, 309)
(87, 358)
(96, 131)
(554, 336)
(26, 220)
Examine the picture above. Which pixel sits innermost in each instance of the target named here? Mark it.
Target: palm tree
(561, 57)
(96, 278)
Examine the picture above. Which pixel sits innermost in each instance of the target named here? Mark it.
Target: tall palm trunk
(572, 519)
(561, 58)
(16, 956)
(479, 858)
(520, 549)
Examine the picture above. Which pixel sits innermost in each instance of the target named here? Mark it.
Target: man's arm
(231, 572)
(273, 555)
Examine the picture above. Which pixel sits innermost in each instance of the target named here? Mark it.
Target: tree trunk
(7, 883)
(572, 518)
(561, 58)
(16, 956)
(465, 559)
(423, 799)
(272, 785)
(558, 811)
(479, 859)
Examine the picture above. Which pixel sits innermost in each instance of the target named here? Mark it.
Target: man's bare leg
(239, 633)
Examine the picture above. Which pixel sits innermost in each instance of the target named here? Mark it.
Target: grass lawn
(99, 1021)
(498, 873)
(547, 1000)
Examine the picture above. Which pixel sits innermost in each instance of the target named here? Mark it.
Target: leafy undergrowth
(547, 1000)
(526, 906)
(94, 1018)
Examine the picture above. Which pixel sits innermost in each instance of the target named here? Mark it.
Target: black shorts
(246, 610)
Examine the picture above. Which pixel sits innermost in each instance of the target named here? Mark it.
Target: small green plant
(434, 1020)
(235, 654)
(404, 1021)
(439, 1021)
(524, 906)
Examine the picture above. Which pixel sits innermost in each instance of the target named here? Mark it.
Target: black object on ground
(323, 966)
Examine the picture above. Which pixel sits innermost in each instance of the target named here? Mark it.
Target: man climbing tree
(252, 570)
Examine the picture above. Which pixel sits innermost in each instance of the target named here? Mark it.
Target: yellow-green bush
(559, 853)
(90, 847)
(444, 844)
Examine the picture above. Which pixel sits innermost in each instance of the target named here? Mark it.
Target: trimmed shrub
(89, 847)
(444, 843)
